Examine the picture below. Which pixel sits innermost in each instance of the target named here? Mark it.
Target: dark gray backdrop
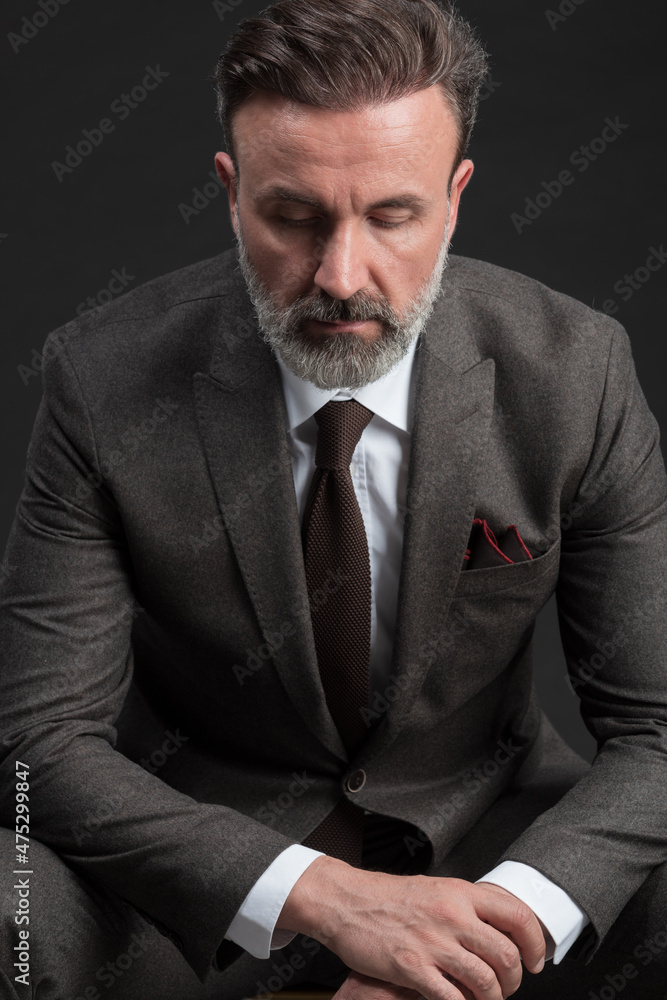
(559, 72)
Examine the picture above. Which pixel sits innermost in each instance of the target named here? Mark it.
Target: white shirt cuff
(253, 925)
(560, 915)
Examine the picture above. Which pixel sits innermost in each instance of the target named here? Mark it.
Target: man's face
(343, 221)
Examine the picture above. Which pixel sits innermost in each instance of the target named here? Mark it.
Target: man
(276, 566)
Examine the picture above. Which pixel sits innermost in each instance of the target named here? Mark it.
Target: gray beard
(342, 360)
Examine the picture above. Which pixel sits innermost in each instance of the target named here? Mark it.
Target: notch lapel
(453, 406)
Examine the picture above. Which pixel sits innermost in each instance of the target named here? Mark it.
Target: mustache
(361, 307)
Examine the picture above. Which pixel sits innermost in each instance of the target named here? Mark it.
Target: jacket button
(356, 780)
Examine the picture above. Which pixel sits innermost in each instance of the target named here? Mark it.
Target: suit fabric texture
(156, 553)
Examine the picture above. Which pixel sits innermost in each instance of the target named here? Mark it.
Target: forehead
(415, 134)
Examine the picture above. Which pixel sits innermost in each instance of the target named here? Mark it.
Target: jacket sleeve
(606, 835)
(66, 611)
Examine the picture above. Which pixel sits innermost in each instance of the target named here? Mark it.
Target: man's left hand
(360, 987)
(548, 940)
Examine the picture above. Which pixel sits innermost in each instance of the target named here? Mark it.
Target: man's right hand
(443, 937)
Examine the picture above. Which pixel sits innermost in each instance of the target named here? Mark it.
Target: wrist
(310, 906)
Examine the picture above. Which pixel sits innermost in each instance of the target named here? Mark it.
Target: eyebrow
(407, 200)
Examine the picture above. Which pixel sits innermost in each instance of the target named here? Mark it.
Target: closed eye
(298, 223)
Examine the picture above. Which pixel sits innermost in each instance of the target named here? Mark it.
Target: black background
(552, 87)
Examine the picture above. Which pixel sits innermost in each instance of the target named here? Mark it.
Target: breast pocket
(490, 623)
(484, 645)
(494, 580)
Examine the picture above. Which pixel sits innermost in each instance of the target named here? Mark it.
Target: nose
(342, 270)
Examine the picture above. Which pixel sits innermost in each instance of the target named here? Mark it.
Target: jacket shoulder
(514, 290)
(509, 311)
(172, 320)
(200, 281)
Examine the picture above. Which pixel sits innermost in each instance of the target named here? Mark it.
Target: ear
(463, 174)
(227, 174)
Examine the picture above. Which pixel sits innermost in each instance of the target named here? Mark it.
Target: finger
(358, 986)
(463, 990)
(442, 986)
(510, 915)
(467, 969)
(499, 951)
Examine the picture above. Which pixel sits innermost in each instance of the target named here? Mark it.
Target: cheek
(289, 266)
(408, 263)
(413, 250)
(278, 266)
(294, 268)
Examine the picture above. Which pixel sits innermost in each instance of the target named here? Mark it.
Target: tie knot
(340, 424)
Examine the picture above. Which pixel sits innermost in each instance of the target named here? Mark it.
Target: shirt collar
(389, 397)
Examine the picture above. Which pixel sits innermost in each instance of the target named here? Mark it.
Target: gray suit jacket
(153, 605)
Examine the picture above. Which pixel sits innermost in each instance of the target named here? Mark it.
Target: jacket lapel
(452, 413)
(243, 425)
(454, 401)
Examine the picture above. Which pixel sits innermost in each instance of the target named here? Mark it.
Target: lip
(342, 325)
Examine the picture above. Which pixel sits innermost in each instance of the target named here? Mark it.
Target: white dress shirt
(379, 471)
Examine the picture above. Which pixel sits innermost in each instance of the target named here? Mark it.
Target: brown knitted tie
(338, 576)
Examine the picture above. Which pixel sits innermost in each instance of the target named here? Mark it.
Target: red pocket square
(485, 550)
